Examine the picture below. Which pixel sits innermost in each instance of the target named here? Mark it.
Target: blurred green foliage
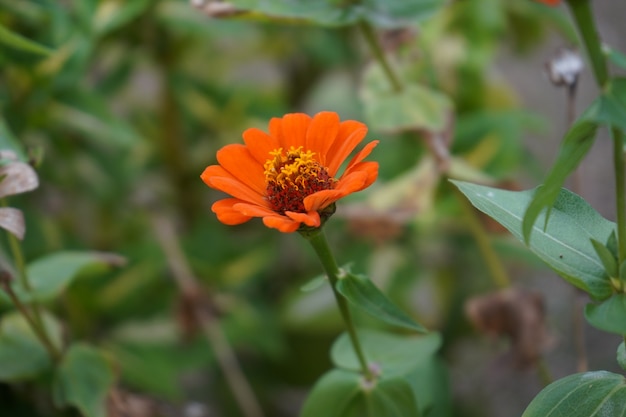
(122, 104)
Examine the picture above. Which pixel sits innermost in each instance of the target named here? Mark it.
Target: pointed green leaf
(575, 146)
(332, 394)
(611, 245)
(609, 315)
(50, 275)
(384, 13)
(564, 244)
(621, 355)
(17, 41)
(607, 258)
(616, 57)
(22, 355)
(392, 354)
(362, 293)
(609, 108)
(415, 107)
(590, 394)
(83, 380)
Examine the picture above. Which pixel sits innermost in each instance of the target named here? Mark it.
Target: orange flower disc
(289, 176)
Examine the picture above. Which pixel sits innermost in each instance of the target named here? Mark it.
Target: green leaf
(609, 315)
(383, 13)
(91, 116)
(607, 258)
(332, 394)
(415, 107)
(616, 57)
(314, 283)
(341, 393)
(590, 394)
(564, 244)
(110, 16)
(17, 41)
(575, 146)
(621, 355)
(362, 293)
(50, 275)
(9, 142)
(83, 380)
(22, 355)
(393, 354)
(610, 107)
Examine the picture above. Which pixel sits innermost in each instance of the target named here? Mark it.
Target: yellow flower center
(293, 175)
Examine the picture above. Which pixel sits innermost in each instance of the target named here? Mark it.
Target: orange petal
(276, 130)
(363, 153)
(352, 182)
(253, 210)
(370, 168)
(260, 144)
(282, 223)
(226, 214)
(217, 177)
(294, 127)
(312, 218)
(321, 134)
(237, 160)
(350, 134)
(322, 199)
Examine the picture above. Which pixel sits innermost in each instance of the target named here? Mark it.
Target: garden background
(120, 105)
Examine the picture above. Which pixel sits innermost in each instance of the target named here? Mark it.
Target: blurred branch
(192, 293)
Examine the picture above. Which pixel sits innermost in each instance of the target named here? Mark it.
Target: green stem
(496, 269)
(583, 17)
(36, 326)
(620, 196)
(317, 238)
(379, 54)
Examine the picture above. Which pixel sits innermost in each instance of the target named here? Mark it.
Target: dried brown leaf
(517, 314)
(17, 178)
(12, 220)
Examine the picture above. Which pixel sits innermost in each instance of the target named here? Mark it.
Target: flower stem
(379, 54)
(583, 17)
(318, 240)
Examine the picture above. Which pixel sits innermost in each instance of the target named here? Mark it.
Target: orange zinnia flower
(288, 177)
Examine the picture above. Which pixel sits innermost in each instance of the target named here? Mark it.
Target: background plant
(122, 104)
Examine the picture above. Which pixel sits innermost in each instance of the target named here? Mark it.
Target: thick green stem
(583, 17)
(620, 196)
(320, 245)
(379, 54)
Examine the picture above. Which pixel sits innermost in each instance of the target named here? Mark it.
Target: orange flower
(289, 176)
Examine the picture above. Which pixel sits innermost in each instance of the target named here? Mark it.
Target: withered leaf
(12, 220)
(17, 177)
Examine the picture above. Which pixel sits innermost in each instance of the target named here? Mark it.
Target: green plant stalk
(583, 18)
(497, 271)
(36, 327)
(317, 238)
(379, 55)
(20, 265)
